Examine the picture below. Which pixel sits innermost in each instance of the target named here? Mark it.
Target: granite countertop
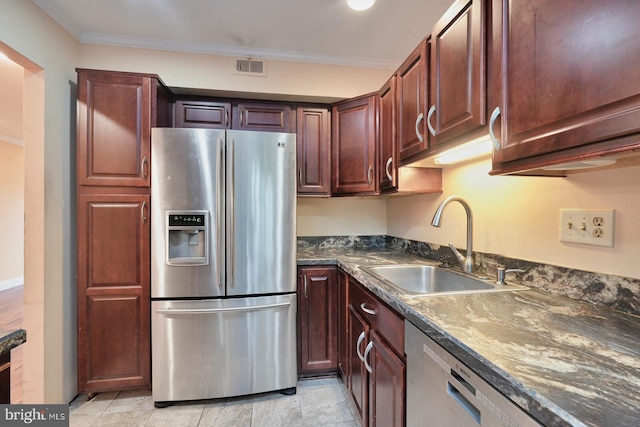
(10, 339)
(565, 362)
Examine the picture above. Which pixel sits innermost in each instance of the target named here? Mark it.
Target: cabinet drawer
(381, 317)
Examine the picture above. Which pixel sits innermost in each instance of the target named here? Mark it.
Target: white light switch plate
(587, 226)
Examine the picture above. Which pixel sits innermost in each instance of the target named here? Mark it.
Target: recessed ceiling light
(360, 4)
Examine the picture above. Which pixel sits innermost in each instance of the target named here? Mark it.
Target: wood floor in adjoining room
(11, 317)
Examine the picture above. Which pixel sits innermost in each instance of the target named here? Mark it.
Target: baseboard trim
(11, 283)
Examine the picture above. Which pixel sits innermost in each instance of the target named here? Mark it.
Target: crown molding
(59, 17)
(214, 49)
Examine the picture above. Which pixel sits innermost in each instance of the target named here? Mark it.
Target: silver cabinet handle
(305, 285)
(370, 175)
(360, 338)
(241, 114)
(431, 111)
(226, 118)
(420, 137)
(145, 167)
(366, 354)
(367, 310)
(386, 168)
(299, 177)
(492, 121)
(219, 214)
(220, 310)
(143, 212)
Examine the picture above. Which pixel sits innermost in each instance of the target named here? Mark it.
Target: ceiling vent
(251, 67)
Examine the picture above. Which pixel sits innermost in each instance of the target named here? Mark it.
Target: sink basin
(418, 279)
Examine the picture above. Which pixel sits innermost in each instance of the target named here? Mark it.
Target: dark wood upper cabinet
(266, 117)
(396, 179)
(411, 92)
(313, 137)
(202, 114)
(458, 73)
(116, 112)
(353, 146)
(387, 136)
(567, 75)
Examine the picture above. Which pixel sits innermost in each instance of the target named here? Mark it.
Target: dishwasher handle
(220, 310)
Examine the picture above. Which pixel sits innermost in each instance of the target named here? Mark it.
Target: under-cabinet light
(469, 150)
(360, 4)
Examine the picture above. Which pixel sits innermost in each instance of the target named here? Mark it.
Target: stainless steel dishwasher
(442, 392)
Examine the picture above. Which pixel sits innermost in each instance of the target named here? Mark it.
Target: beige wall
(519, 217)
(212, 72)
(49, 56)
(11, 212)
(342, 216)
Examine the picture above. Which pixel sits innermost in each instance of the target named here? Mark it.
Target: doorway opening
(22, 158)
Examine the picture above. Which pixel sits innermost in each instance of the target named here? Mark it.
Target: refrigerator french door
(223, 276)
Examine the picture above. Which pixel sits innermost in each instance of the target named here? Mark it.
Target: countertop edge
(12, 339)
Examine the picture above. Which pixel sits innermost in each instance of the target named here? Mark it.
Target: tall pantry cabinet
(116, 112)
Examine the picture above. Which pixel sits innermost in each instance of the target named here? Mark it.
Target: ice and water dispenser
(187, 238)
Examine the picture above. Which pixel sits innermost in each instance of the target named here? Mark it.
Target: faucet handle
(502, 272)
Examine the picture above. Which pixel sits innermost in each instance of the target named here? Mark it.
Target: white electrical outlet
(587, 226)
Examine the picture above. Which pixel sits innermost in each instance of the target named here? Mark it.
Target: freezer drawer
(205, 349)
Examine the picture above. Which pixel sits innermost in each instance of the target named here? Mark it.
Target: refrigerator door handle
(221, 310)
(219, 217)
(230, 212)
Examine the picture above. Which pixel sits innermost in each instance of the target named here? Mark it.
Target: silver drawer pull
(360, 338)
(432, 110)
(366, 354)
(367, 310)
(492, 121)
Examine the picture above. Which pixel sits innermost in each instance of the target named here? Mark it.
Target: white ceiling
(321, 31)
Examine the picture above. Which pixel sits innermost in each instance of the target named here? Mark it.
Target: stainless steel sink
(419, 279)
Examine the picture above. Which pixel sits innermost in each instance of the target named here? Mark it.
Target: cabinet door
(569, 80)
(263, 117)
(386, 384)
(411, 91)
(358, 338)
(458, 82)
(354, 146)
(343, 314)
(313, 139)
(317, 307)
(202, 114)
(387, 136)
(114, 129)
(113, 292)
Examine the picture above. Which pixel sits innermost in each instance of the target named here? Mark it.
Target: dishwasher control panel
(442, 391)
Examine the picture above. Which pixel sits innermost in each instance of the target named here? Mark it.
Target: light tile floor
(318, 402)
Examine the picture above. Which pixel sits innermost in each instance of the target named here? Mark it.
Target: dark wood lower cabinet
(113, 292)
(5, 378)
(358, 380)
(317, 314)
(386, 385)
(343, 315)
(376, 361)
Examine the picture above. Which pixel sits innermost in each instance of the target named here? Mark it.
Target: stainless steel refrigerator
(223, 263)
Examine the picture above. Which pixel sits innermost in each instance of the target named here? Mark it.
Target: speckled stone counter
(566, 362)
(10, 339)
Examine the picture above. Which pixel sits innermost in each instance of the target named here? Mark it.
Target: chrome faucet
(465, 262)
